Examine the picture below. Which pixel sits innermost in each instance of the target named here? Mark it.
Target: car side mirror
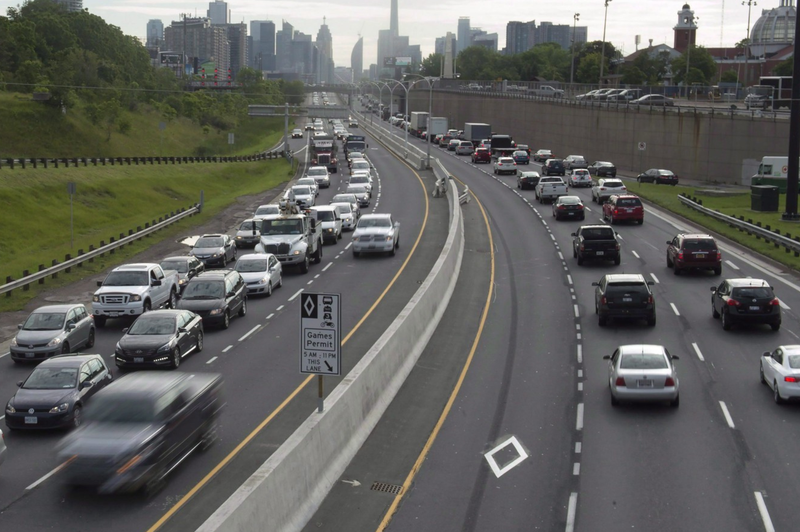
(573, 234)
(19, 384)
(99, 283)
(595, 284)
(155, 282)
(182, 329)
(651, 283)
(19, 326)
(109, 376)
(765, 354)
(125, 330)
(675, 357)
(71, 327)
(713, 289)
(230, 294)
(86, 384)
(397, 224)
(606, 357)
(669, 243)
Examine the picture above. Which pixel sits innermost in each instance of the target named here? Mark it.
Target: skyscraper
(463, 34)
(218, 12)
(262, 53)
(155, 33)
(283, 47)
(519, 36)
(325, 55)
(357, 60)
(393, 22)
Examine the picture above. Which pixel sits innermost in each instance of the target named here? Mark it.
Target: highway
(723, 461)
(266, 396)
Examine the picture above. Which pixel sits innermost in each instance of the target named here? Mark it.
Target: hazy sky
(423, 20)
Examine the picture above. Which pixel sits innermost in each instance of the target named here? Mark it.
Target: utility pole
(183, 51)
(749, 4)
(603, 53)
(794, 137)
(572, 63)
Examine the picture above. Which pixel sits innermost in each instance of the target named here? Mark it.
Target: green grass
(109, 201)
(734, 205)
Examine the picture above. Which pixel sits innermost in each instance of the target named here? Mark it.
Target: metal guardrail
(789, 243)
(76, 261)
(46, 162)
(413, 154)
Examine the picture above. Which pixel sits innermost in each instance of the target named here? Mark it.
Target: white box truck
(419, 123)
(475, 132)
(437, 125)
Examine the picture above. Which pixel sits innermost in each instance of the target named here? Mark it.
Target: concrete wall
(702, 147)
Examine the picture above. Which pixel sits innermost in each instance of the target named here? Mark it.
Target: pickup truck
(133, 289)
(546, 91)
(595, 242)
(550, 188)
(295, 239)
(139, 428)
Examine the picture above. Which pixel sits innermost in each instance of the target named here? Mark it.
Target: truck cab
(293, 237)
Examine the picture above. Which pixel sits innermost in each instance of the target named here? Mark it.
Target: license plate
(627, 299)
(601, 252)
(755, 308)
(29, 355)
(644, 383)
(571, 213)
(31, 420)
(629, 210)
(138, 359)
(371, 246)
(113, 313)
(700, 255)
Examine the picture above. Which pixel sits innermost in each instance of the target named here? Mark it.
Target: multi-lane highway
(266, 396)
(722, 461)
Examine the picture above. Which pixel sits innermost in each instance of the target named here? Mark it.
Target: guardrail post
(103, 160)
(80, 252)
(111, 241)
(55, 274)
(27, 287)
(85, 162)
(55, 162)
(66, 258)
(23, 162)
(34, 162)
(8, 280)
(91, 248)
(11, 163)
(41, 267)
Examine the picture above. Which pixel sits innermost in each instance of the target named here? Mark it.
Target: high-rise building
(393, 20)
(487, 40)
(197, 39)
(559, 33)
(155, 33)
(237, 39)
(438, 48)
(218, 12)
(463, 34)
(384, 46)
(71, 5)
(519, 37)
(325, 54)
(283, 47)
(302, 56)
(262, 49)
(357, 60)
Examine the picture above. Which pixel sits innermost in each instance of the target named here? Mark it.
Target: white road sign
(320, 338)
(642, 146)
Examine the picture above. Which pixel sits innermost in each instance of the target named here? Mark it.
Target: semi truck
(503, 146)
(323, 152)
(419, 123)
(476, 132)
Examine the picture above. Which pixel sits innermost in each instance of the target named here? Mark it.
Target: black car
(215, 250)
(215, 296)
(554, 167)
(187, 267)
(569, 207)
(624, 295)
(659, 176)
(527, 180)
(602, 169)
(55, 394)
(745, 301)
(159, 339)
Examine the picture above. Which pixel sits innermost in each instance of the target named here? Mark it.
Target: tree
(432, 65)
(295, 92)
(784, 68)
(477, 62)
(553, 61)
(631, 75)
(700, 59)
(729, 76)
(588, 69)
(743, 43)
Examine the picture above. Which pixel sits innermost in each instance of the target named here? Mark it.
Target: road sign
(642, 146)
(320, 338)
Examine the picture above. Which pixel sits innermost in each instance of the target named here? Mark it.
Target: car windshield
(643, 361)
(344, 208)
(52, 379)
(635, 287)
(292, 226)
(120, 409)
(200, 289)
(209, 242)
(308, 181)
(699, 245)
(248, 225)
(152, 325)
(629, 202)
(359, 179)
(326, 216)
(602, 163)
(268, 209)
(180, 266)
(44, 321)
(374, 222)
(753, 292)
(505, 160)
(520, 154)
(598, 233)
(360, 165)
(317, 171)
(613, 184)
(357, 189)
(301, 190)
(251, 265)
(126, 279)
(344, 198)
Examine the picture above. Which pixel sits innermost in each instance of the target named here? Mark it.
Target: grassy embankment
(734, 205)
(110, 200)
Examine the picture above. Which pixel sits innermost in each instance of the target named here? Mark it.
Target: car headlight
(95, 299)
(63, 407)
(118, 350)
(181, 281)
(136, 297)
(54, 342)
(14, 342)
(296, 252)
(330, 229)
(238, 237)
(10, 409)
(217, 311)
(389, 238)
(165, 348)
(265, 280)
(215, 255)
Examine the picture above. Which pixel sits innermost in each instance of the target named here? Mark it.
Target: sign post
(320, 337)
(642, 148)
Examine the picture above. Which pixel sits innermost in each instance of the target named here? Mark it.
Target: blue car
(521, 157)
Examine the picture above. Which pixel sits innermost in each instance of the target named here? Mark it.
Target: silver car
(249, 233)
(361, 179)
(347, 215)
(51, 330)
(465, 147)
(261, 272)
(320, 175)
(2, 448)
(361, 193)
(266, 210)
(302, 195)
(376, 233)
(360, 164)
(309, 182)
(352, 200)
(780, 370)
(642, 373)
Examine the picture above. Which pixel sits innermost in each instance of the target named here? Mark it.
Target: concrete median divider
(283, 494)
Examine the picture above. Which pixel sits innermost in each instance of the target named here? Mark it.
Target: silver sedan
(376, 233)
(780, 370)
(642, 373)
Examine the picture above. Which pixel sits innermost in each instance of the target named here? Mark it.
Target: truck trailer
(476, 132)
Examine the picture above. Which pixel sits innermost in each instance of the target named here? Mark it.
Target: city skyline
(424, 22)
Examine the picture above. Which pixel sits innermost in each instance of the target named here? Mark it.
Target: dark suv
(554, 167)
(215, 296)
(624, 295)
(745, 301)
(690, 250)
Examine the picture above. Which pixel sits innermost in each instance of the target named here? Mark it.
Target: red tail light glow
(719, 255)
(791, 379)
(620, 381)
(680, 255)
(669, 382)
(616, 211)
(732, 303)
(603, 300)
(775, 302)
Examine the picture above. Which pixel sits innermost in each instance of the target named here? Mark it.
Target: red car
(623, 207)
(481, 155)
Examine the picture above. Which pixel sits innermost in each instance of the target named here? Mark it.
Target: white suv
(605, 188)
(505, 165)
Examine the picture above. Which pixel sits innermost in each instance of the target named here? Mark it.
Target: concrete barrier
(284, 493)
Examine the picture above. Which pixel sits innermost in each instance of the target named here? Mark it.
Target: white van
(772, 166)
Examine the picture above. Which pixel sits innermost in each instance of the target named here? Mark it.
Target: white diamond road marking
(500, 471)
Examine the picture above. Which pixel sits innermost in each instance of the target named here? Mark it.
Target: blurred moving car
(654, 100)
(780, 370)
(51, 330)
(261, 273)
(659, 176)
(643, 373)
(738, 301)
(602, 169)
(376, 233)
(158, 339)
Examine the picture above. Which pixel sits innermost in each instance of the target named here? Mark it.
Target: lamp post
(603, 53)
(572, 64)
(401, 84)
(430, 82)
(691, 20)
(391, 93)
(749, 4)
(380, 86)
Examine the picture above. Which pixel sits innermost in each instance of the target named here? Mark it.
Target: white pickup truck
(133, 289)
(550, 188)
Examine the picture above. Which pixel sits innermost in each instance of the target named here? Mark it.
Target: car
(481, 155)
(309, 182)
(693, 251)
(248, 234)
(575, 161)
(361, 178)
(216, 296)
(376, 233)
(569, 207)
(465, 147)
(453, 144)
(505, 165)
(297, 134)
(347, 215)
(602, 169)
(607, 187)
(361, 192)
(521, 157)
(187, 267)
(51, 330)
(623, 208)
(309, 127)
(580, 177)
(643, 373)
(738, 301)
(624, 296)
(262, 272)
(331, 221)
(214, 250)
(353, 156)
(525, 148)
(3, 448)
(437, 138)
(596, 242)
(56, 392)
(654, 100)
(527, 180)
(320, 175)
(160, 339)
(554, 167)
(542, 155)
(352, 200)
(266, 210)
(659, 176)
(587, 95)
(360, 164)
(352, 123)
(302, 195)
(444, 142)
(780, 370)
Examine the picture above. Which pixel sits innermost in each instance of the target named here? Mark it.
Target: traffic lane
(524, 344)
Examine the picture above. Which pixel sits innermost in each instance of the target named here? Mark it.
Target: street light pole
(603, 53)
(572, 63)
(430, 82)
(749, 4)
(689, 55)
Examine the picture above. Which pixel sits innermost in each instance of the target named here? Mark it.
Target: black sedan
(603, 169)
(659, 176)
(159, 338)
(215, 250)
(55, 394)
(216, 296)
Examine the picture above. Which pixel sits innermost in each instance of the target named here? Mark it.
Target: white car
(261, 272)
(266, 210)
(642, 373)
(331, 221)
(605, 188)
(780, 370)
(376, 233)
(302, 195)
(361, 179)
(309, 182)
(575, 161)
(360, 164)
(347, 214)
(348, 198)
(320, 175)
(580, 177)
(505, 165)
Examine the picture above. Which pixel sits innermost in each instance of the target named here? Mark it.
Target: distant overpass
(314, 111)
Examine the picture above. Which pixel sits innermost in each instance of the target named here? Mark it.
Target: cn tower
(393, 21)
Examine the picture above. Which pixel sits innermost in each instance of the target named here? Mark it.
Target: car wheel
(64, 348)
(269, 289)
(675, 403)
(614, 400)
(100, 321)
(77, 416)
(356, 253)
(726, 321)
(280, 280)
(669, 262)
(675, 269)
(318, 254)
(243, 309)
(718, 270)
(775, 326)
(714, 312)
(176, 357)
(146, 307)
(574, 252)
(304, 265)
(224, 260)
(199, 342)
(393, 252)
(226, 320)
(761, 373)
(173, 299)
(776, 394)
(580, 260)
(90, 342)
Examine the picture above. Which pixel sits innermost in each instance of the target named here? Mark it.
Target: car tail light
(775, 302)
(580, 206)
(719, 255)
(650, 300)
(732, 303)
(620, 381)
(617, 246)
(616, 211)
(603, 300)
(581, 247)
(680, 255)
(791, 379)
(602, 188)
(561, 207)
(669, 382)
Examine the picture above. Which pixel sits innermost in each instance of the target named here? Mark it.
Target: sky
(423, 21)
